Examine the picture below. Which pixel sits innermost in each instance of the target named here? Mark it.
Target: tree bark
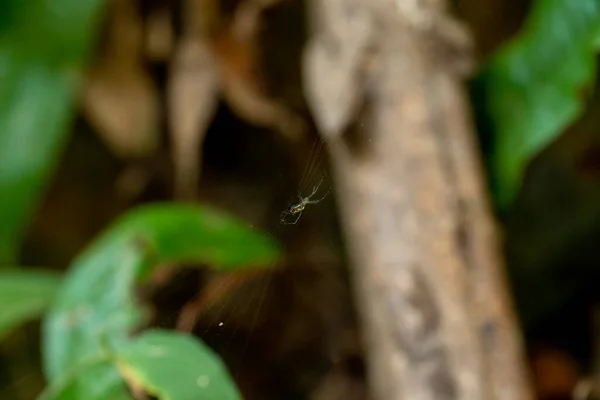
(381, 77)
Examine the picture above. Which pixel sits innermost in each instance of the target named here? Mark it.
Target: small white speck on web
(220, 324)
(203, 381)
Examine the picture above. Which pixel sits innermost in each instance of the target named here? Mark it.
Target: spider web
(233, 303)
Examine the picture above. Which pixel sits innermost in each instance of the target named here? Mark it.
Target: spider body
(296, 209)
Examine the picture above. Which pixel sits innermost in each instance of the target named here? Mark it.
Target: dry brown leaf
(192, 100)
(120, 99)
(241, 82)
(192, 94)
(121, 104)
(341, 36)
(159, 40)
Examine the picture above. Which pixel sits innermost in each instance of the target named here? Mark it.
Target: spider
(296, 209)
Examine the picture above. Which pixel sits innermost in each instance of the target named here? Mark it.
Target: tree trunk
(381, 79)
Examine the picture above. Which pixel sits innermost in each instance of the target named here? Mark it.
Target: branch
(429, 279)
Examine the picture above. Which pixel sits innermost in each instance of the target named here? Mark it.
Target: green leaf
(100, 380)
(96, 310)
(173, 366)
(43, 45)
(24, 295)
(534, 86)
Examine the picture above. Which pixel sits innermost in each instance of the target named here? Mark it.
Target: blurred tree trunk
(383, 80)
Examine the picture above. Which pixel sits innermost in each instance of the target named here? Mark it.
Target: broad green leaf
(96, 310)
(24, 295)
(173, 366)
(100, 380)
(43, 45)
(534, 87)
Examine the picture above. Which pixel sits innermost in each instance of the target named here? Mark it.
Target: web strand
(309, 179)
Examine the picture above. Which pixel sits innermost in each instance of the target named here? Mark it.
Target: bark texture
(381, 77)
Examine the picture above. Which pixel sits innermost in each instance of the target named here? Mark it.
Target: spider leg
(315, 189)
(318, 200)
(297, 218)
(286, 214)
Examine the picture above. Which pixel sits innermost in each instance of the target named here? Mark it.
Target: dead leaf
(342, 34)
(235, 49)
(120, 99)
(159, 40)
(192, 100)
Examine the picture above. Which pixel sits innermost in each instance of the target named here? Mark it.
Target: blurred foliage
(165, 364)
(95, 311)
(98, 380)
(43, 46)
(535, 86)
(88, 328)
(24, 295)
(176, 367)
